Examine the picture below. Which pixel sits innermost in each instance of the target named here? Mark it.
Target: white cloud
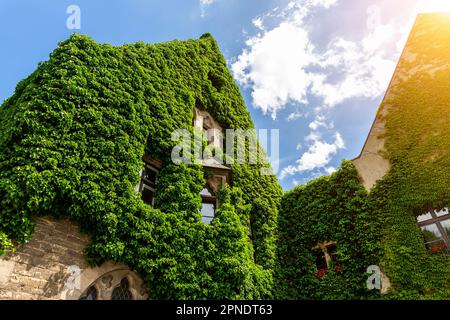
(294, 116)
(275, 61)
(203, 5)
(274, 66)
(281, 64)
(364, 66)
(318, 155)
(330, 170)
(320, 121)
(258, 23)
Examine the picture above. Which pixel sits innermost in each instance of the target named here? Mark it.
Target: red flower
(435, 248)
(320, 273)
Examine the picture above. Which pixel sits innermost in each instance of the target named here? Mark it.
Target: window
(326, 257)
(209, 203)
(120, 283)
(148, 184)
(435, 227)
(122, 292)
(91, 294)
(208, 132)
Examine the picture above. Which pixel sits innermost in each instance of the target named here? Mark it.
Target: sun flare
(434, 6)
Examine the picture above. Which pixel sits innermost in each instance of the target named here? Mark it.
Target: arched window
(122, 292)
(209, 204)
(91, 294)
(112, 281)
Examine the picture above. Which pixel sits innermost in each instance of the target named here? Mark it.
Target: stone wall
(39, 269)
(52, 265)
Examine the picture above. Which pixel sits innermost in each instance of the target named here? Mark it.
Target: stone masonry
(39, 269)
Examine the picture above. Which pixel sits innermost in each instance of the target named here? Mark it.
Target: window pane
(207, 212)
(321, 262)
(446, 225)
(424, 217)
(91, 294)
(442, 212)
(205, 192)
(121, 292)
(431, 233)
(207, 220)
(150, 175)
(147, 196)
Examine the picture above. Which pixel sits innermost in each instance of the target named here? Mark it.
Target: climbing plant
(71, 145)
(381, 228)
(416, 114)
(332, 208)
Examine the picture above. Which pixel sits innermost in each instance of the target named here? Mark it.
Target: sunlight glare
(434, 6)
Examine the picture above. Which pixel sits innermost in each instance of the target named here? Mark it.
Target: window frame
(324, 251)
(147, 184)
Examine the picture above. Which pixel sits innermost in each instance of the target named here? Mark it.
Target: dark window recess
(209, 203)
(122, 292)
(435, 227)
(91, 294)
(321, 262)
(216, 81)
(148, 196)
(148, 184)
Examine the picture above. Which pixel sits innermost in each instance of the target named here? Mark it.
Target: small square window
(326, 257)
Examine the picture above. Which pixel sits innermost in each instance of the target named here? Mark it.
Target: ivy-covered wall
(74, 133)
(71, 145)
(331, 208)
(381, 228)
(417, 117)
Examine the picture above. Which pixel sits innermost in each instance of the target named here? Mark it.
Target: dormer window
(147, 186)
(435, 227)
(209, 205)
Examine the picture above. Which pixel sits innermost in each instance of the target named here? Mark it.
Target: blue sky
(315, 69)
